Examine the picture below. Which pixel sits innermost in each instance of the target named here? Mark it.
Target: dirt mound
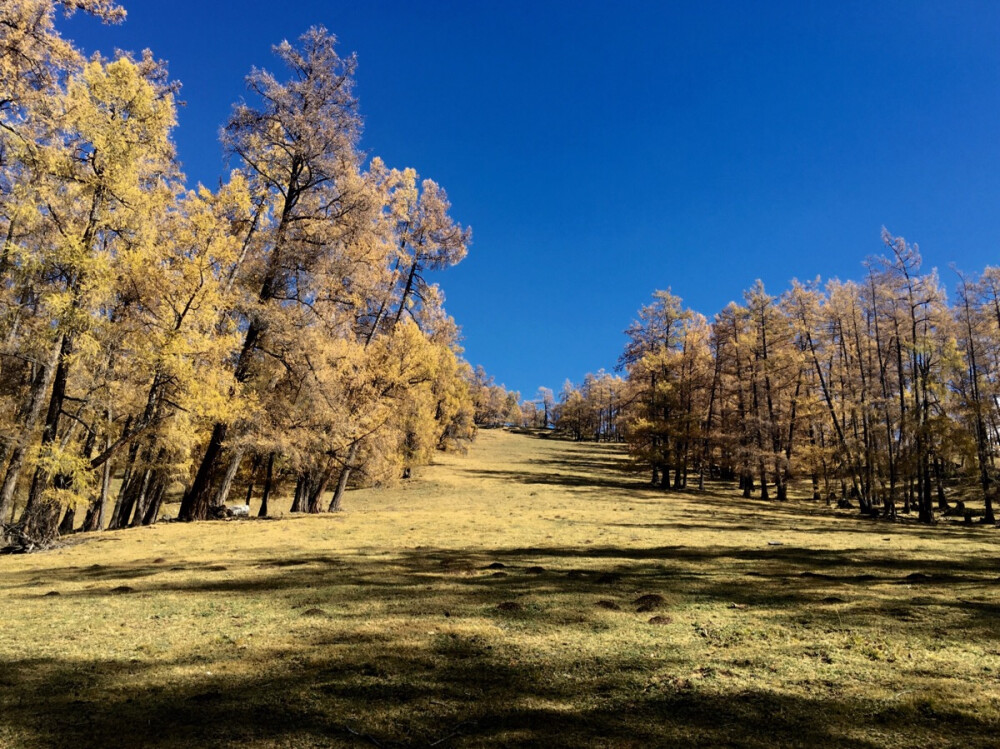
(648, 602)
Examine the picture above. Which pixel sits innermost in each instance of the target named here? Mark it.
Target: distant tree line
(275, 331)
(494, 405)
(877, 393)
(593, 409)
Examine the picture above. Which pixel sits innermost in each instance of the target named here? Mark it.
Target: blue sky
(600, 151)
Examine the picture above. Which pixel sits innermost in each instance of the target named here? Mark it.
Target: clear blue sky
(602, 150)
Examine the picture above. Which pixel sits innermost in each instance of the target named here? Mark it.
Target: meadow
(531, 592)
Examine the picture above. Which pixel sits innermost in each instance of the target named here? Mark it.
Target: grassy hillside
(532, 592)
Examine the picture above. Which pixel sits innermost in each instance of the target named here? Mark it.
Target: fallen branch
(364, 736)
(457, 730)
(16, 540)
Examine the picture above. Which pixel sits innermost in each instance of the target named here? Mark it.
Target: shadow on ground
(459, 694)
(483, 647)
(347, 684)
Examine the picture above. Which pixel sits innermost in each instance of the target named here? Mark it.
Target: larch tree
(662, 356)
(296, 144)
(97, 183)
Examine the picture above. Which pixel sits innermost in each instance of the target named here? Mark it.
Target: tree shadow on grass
(566, 480)
(349, 683)
(461, 693)
(438, 647)
(587, 461)
(561, 585)
(409, 566)
(603, 466)
(779, 516)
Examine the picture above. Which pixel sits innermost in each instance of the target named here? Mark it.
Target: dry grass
(494, 600)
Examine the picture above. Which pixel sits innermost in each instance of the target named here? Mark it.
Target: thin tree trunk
(254, 469)
(982, 436)
(95, 515)
(942, 500)
(345, 474)
(301, 491)
(268, 483)
(125, 500)
(317, 491)
(152, 513)
(227, 482)
(141, 499)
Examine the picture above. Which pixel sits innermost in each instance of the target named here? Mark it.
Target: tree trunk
(36, 519)
(780, 486)
(125, 500)
(140, 500)
(94, 520)
(152, 513)
(43, 381)
(345, 474)
(268, 482)
(317, 490)
(301, 498)
(197, 498)
(68, 521)
(942, 500)
(764, 494)
(251, 483)
(227, 482)
(131, 493)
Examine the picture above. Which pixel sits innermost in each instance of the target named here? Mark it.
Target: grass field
(530, 593)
